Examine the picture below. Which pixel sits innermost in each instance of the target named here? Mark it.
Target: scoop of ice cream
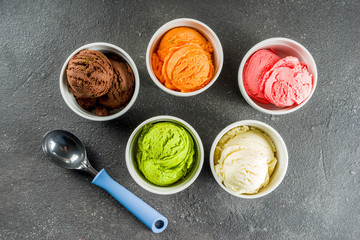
(187, 68)
(89, 74)
(245, 159)
(86, 103)
(244, 171)
(122, 88)
(254, 70)
(166, 153)
(180, 36)
(91, 104)
(288, 82)
(101, 111)
(170, 44)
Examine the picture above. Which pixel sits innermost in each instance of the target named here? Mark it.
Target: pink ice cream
(254, 70)
(287, 83)
(270, 79)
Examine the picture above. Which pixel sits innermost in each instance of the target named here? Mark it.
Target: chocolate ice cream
(101, 111)
(87, 103)
(100, 83)
(90, 74)
(123, 86)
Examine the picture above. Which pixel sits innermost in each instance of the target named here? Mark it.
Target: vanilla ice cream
(245, 159)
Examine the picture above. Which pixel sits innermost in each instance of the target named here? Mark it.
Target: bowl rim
(250, 101)
(64, 86)
(156, 36)
(249, 122)
(131, 167)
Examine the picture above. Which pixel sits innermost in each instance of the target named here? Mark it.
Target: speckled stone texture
(319, 197)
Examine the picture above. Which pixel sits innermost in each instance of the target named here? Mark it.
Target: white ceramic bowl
(207, 32)
(69, 97)
(281, 155)
(284, 47)
(131, 163)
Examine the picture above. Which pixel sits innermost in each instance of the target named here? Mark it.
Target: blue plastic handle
(149, 216)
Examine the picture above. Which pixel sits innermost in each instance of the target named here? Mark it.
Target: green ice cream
(165, 153)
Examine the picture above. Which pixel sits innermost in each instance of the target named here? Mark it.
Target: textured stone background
(319, 197)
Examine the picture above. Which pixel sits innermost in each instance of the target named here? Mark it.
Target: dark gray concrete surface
(319, 197)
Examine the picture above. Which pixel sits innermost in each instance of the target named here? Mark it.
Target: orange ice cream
(182, 60)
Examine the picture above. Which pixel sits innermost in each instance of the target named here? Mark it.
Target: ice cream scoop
(90, 74)
(66, 150)
(180, 36)
(122, 88)
(254, 70)
(287, 83)
(187, 68)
